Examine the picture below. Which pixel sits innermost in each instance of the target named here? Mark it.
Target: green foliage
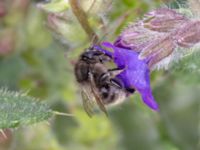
(18, 109)
(55, 6)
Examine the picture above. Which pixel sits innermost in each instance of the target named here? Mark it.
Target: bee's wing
(88, 101)
(156, 27)
(96, 95)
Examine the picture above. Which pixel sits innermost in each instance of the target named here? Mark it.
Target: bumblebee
(98, 83)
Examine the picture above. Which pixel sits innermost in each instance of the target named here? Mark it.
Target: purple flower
(144, 44)
(135, 74)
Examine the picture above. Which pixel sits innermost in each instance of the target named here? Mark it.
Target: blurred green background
(38, 48)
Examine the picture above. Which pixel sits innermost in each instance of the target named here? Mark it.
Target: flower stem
(82, 18)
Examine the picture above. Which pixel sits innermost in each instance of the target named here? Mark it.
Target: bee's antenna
(94, 40)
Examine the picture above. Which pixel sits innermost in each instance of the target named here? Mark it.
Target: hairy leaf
(18, 109)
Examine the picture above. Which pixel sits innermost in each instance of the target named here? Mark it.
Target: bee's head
(91, 55)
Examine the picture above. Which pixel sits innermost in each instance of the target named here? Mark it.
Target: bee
(98, 83)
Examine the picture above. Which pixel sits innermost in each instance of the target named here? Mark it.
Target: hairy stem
(82, 18)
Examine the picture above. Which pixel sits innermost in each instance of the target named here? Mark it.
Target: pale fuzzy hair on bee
(87, 89)
(122, 97)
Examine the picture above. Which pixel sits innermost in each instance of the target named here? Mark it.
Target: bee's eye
(104, 77)
(90, 55)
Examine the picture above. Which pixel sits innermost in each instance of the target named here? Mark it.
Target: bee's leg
(110, 78)
(110, 74)
(103, 78)
(96, 94)
(114, 72)
(117, 82)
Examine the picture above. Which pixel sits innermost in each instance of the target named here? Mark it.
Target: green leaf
(18, 109)
(55, 6)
